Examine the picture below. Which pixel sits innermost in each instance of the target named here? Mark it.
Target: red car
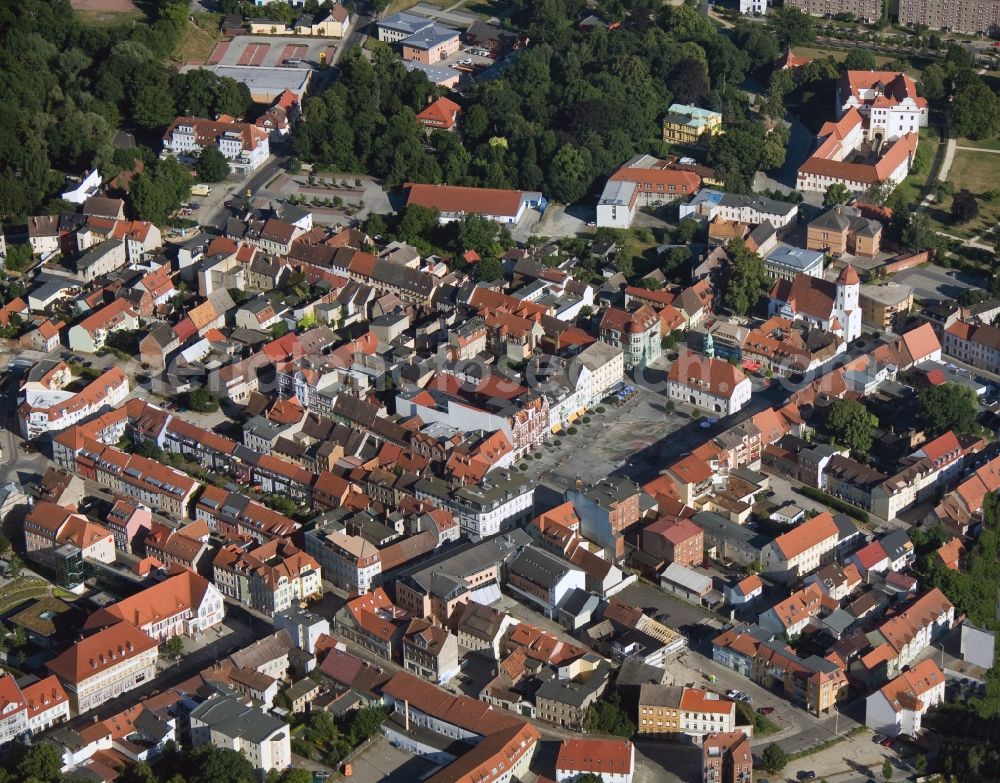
(765, 710)
(886, 743)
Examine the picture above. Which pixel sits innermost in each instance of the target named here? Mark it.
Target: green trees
(934, 83)
(212, 165)
(976, 111)
(159, 190)
(745, 279)
(851, 424)
(917, 232)
(774, 759)
(202, 93)
(791, 26)
(571, 109)
(836, 194)
(887, 770)
(417, 223)
(209, 764)
(488, 270)
(570, 175)
(18, 257)
(202, 401)
(737, 155)
(475, 232)
(948, 407)
(67, 86)
(606, 716)
(859, 60)
(964, 206)
(758, 42)
(174, 646)
(42, 763)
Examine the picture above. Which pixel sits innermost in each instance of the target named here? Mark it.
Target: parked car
(765, 710)
(732, 693)
(877, 739)
(886, 743)
(807, 774)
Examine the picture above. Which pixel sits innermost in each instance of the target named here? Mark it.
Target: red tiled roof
(441, 113)
(176, 595)
(719, 378)
(596, 756)
(100, 652)
(807, 535)
(453, 198)
(43, 695)
(207, 132)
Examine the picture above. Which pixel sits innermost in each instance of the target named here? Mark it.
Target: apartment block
(671, 709)
(106, 665)
(867, 11)
(973, 17)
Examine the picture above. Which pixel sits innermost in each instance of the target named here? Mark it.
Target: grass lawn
(487, 9)
(983, 144)
(976, 171)
(912, 187)
(640, 245)
(819, 52)
(110, 18)
(402, 5)
(197, 41)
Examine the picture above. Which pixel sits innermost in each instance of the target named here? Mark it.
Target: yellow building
(885, 307)
(690, 125)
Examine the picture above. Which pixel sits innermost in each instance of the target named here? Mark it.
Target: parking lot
(935, 282)
(271, 51)
(357, 196)
(383, 763)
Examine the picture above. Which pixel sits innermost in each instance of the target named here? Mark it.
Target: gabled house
(184, 604)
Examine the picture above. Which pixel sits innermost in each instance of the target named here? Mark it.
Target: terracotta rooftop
(597, 756)
(100, 652)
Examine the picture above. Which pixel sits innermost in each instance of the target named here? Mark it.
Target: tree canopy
(976, 111)
(948, 407)
(567, 112)
(212, 165)
(159, 190)
(836, 194)
(964, 206)
(68, 86)
(774, 759)
(744, 279)
(851, 424)
(606, 716)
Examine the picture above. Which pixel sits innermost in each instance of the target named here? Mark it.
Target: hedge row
(835, 503)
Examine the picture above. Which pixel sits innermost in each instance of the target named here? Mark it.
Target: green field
(983, 144)
(912, 187)
(975, 171)
(819, 52)
(198, 39)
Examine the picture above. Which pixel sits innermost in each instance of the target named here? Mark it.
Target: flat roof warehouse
(267, 83)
